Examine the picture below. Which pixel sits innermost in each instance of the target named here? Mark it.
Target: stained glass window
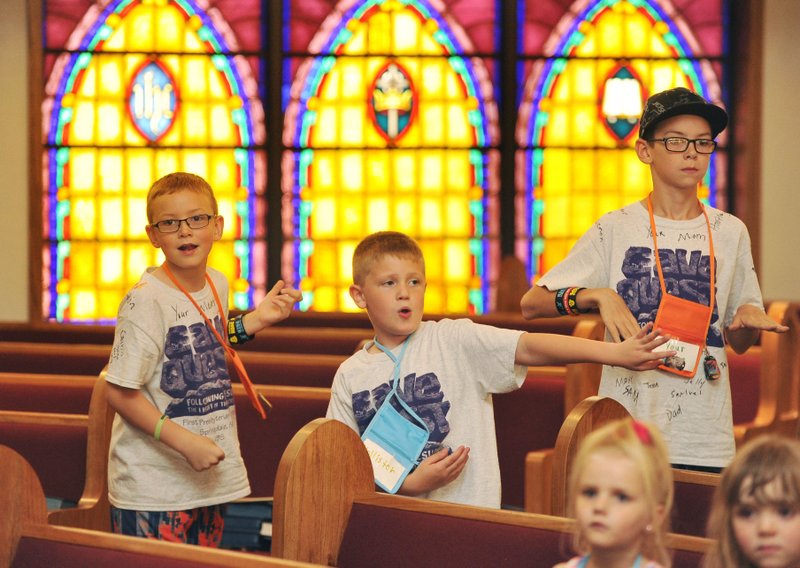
(394, 116)
(391, 127)
(136, 89)
(588, 70)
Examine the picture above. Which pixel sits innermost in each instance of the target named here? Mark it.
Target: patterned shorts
(201, 526)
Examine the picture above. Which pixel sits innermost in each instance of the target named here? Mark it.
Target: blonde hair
(175, 182)
(643, 445)
(766, 459)
(378, 245)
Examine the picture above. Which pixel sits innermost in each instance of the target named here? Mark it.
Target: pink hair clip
(642, 433)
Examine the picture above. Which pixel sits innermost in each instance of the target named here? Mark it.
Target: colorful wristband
(236, 332)
(560, 304)
(572, 301)
(157, 432)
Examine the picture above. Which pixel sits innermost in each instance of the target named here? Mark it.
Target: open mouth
(405, 312)
(188, 247)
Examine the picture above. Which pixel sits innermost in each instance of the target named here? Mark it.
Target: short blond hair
(175, 182)
(766, 459)
(643, 445)
(378, 245)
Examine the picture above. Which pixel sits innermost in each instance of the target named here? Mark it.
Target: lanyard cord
(712, 261)
(396, 378)
(238, 365)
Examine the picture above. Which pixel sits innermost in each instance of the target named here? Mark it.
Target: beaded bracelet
(236, 332)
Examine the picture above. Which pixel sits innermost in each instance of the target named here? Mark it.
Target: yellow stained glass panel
(111, 263)
(82, 218)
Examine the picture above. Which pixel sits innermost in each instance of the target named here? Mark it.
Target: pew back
(326, 510)
(27, 540)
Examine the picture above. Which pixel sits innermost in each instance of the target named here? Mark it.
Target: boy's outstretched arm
(276, 306)
(539, 302)
(201, 452)
(435, 471)
(634, 353)
(747, 323)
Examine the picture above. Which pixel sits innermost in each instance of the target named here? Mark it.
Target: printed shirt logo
(195, 374)
(425, 397)
(686, 275)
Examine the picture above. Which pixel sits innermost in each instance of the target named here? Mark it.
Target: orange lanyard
(712, 261)
(255, 398)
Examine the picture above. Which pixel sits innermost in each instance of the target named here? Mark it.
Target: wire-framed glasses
(680, 144)
(173, 225)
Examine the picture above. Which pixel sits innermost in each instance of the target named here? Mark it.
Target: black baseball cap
(677, 101)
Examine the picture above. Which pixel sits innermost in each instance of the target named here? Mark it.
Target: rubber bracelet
(157, 433)
(560, 293)
(572, 301)
(236, 332)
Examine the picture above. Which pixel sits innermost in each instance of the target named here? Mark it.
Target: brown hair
(642, 444)
(175, 182)
(378, 245)
(766, 459)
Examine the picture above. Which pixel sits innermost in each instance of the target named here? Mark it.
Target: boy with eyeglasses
(651, 262)
(174, 458)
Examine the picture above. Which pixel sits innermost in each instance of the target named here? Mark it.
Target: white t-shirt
(447, 376)
(163, 347)
(617, 252)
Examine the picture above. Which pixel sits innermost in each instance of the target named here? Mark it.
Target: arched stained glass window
(137, 89)
(588, 76)
(388, 114)
(390, 127)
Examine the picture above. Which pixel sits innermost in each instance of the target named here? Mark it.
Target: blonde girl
(755, 517)
(620, 494)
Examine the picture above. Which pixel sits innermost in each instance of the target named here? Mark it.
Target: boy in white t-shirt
(446, 372)
(174, 459)
(612, 269)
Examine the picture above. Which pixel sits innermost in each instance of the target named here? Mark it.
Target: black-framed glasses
(173, 225)
(680, 144)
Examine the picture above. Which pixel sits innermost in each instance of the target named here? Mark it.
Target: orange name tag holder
(686, 322)
(256, 399)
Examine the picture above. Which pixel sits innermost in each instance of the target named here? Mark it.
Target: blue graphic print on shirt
(422, 393)
(686, 275)
(195, 374)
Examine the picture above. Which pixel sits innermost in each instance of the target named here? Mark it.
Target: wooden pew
(547, 472)
(313, 370)
(26, 538)
(327, 511)
(334, 333)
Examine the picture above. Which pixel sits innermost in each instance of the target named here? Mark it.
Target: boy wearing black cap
(650, 261)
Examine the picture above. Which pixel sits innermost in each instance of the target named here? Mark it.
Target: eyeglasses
(679, 144)
(174, 225)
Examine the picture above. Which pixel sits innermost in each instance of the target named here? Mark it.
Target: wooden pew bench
(548, 471)
(327, 511)
(27, 540)
(303, 332)
(313, 370)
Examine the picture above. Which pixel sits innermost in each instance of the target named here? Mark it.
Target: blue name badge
(393, 444)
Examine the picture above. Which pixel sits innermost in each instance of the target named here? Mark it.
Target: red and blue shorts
(202, 526)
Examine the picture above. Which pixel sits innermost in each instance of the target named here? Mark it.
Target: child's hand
(617, 317)
(435, 471)
(750, 317)
(277, 304)
(201, 452)
(636, 353)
